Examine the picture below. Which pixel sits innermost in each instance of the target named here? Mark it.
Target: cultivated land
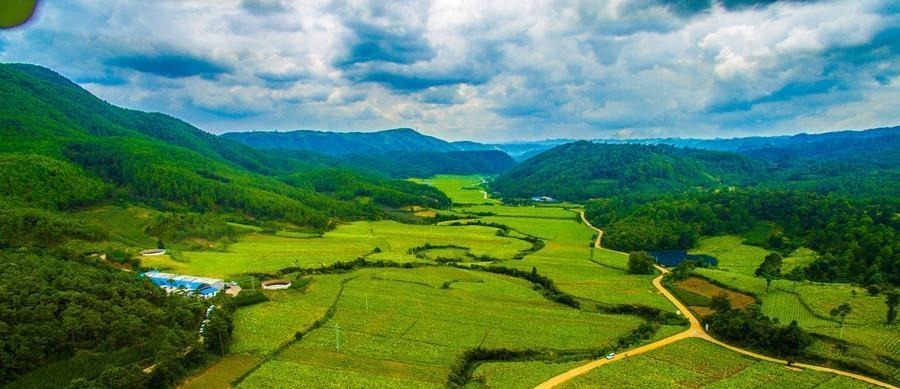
(461, 189)
(261, 253)
(872, 343)
(695, 363)
(407, 328)
(404, 324)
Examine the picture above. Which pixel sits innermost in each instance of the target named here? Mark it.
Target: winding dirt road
(695, 331)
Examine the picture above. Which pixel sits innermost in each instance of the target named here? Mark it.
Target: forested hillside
(154, 158)
(583, 170)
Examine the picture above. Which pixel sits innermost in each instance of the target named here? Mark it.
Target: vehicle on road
(610, 355)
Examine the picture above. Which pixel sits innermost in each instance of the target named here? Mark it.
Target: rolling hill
(582, 170)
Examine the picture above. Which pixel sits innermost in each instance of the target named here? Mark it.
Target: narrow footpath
(695, 331)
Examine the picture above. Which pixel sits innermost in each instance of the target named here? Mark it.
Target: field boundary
(297, 336)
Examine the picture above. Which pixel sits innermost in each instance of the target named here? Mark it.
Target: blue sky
(483, 70)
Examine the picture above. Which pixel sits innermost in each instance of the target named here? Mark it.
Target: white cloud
(484, 70)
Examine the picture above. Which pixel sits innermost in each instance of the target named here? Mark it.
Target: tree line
(857, 239)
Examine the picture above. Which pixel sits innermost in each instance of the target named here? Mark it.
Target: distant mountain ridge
(344, 143)
(399, 152)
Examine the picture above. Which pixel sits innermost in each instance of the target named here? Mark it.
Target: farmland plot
(268, 253)
(695, 363)
(408, 324)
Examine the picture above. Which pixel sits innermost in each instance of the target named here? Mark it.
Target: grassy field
(261, 328)
(405, 324)
(731, 254)
(695, 363)
(129, 224)
(221, 374)
(528, 211)
(268, 253)
(280, 374)
(460, 189)
(593, 275)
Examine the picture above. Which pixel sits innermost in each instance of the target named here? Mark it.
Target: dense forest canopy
(54, 307)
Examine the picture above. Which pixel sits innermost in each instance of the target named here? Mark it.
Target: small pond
(674, 257)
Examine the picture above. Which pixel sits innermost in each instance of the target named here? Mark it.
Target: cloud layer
(499, 70)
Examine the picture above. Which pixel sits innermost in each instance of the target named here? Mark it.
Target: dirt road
(599, 231)
(695, 331)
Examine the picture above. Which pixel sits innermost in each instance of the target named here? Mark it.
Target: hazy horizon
(495, 72)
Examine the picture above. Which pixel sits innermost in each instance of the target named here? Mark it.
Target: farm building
(543, 199)
(205, 287)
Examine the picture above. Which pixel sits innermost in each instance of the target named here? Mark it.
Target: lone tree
(841, 311)
(770, 269)
(640, 262)
(892, 298)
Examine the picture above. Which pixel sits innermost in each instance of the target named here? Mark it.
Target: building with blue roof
(172, 283)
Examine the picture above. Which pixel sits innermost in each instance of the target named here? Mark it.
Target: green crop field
(221, 374)
(460, 189)
(731, 254)
(517, 374)
(279, 374)
(268, 253)
(261, 328)
(529, 211)
(694, 363)
(403, 323)
(567, 258)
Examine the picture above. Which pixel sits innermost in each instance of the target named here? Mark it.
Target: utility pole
(337, 337)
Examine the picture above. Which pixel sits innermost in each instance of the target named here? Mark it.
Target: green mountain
(399, 153)
(57, 129)
(583, 170)
(343, 143)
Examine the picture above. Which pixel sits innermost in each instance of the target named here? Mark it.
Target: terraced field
(695, 363)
